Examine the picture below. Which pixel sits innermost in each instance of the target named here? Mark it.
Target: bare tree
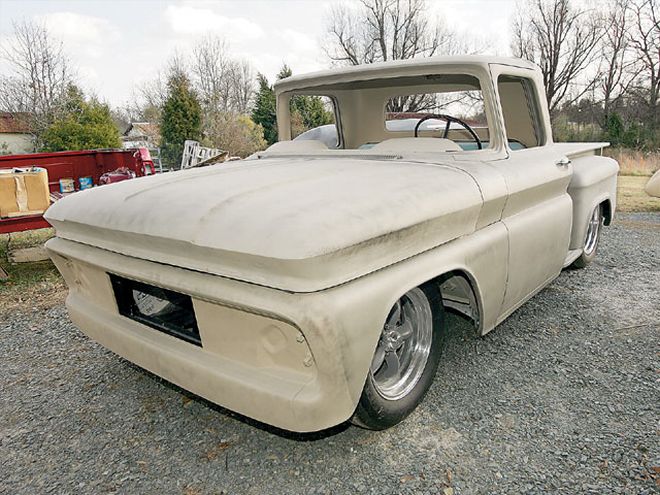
(151, 94)
(146, 103)
(243, 83)
(645, 40)
(40, 78)
(561, 39)
(381, 30)
(209, 67)
(149, 97)
(235, 133)
(617, 68)
(224, 84)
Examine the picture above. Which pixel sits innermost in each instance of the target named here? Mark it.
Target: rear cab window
(522, 122)
(458, 96)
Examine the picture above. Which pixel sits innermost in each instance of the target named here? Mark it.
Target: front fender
(357, 310)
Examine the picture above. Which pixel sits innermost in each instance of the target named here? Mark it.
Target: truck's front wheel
(405, 360)
(591, 239)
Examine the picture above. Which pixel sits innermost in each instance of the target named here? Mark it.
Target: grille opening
(162, 309)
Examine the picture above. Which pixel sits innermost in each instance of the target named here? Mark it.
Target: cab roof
(398, 68)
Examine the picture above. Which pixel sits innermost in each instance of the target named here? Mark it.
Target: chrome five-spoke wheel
(404, 346)
(405, 359)
(593, 231)
(591, 239)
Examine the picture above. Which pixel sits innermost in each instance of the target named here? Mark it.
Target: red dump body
(73, 165)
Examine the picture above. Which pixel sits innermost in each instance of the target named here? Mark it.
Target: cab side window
(520, 108)
(314, 118)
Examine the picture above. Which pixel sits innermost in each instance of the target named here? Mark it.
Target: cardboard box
(23, 192)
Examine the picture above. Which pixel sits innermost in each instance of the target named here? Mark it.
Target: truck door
(538, 210)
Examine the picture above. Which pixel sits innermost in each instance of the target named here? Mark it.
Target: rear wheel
(405, 360)
(591, 240)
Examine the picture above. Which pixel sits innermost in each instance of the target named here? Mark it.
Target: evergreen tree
(312, 111)
(307, 112)
(284, 72)
(82, 125)
(181, 117)
(614, 129)
(264, 110)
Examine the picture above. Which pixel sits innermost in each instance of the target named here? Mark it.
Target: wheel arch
(582, 213)
(474, 267)
(606, 206)
(459, 290)
(475, 264)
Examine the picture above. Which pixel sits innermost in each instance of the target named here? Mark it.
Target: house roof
(396, 68)
(14, 123)
(143, 128)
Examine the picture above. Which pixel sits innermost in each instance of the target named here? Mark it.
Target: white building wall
(15, 143)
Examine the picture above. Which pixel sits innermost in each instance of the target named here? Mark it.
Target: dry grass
(30, 284)
(634, 162)
(631, 195)
(635, 169)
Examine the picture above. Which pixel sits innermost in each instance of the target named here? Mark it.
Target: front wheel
(405, 361)
(591, 239)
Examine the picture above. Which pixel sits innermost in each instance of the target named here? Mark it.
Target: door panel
(538, 217)
(538, 243)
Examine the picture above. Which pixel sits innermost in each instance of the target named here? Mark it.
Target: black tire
(591, 247)
(374, 411)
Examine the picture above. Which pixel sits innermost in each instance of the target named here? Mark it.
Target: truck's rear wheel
(591, 240)
(405, 360)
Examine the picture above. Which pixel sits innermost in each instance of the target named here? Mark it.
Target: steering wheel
(449, 119)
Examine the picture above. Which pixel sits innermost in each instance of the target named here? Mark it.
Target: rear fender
(593, 183)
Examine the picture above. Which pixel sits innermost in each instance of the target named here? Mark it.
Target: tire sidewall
(376, 412)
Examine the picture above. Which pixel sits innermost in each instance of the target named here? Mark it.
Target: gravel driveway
(564, 397)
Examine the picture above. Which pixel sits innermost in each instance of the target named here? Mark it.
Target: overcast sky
(117, 44)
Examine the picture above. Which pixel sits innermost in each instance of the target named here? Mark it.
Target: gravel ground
(564, 397)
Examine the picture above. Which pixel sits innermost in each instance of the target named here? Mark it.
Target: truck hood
(296, 224)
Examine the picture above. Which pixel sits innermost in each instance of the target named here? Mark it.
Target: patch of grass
(632, 197)
(37, 284)
(29, 238)
(635, 162)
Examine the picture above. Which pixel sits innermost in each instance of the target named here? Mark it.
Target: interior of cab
(443, 113)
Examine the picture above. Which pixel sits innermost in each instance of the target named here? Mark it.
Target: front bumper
(280, 358)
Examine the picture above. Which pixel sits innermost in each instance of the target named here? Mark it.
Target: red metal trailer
(72, 165)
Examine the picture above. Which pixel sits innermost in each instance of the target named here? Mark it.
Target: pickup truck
(309, 284)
